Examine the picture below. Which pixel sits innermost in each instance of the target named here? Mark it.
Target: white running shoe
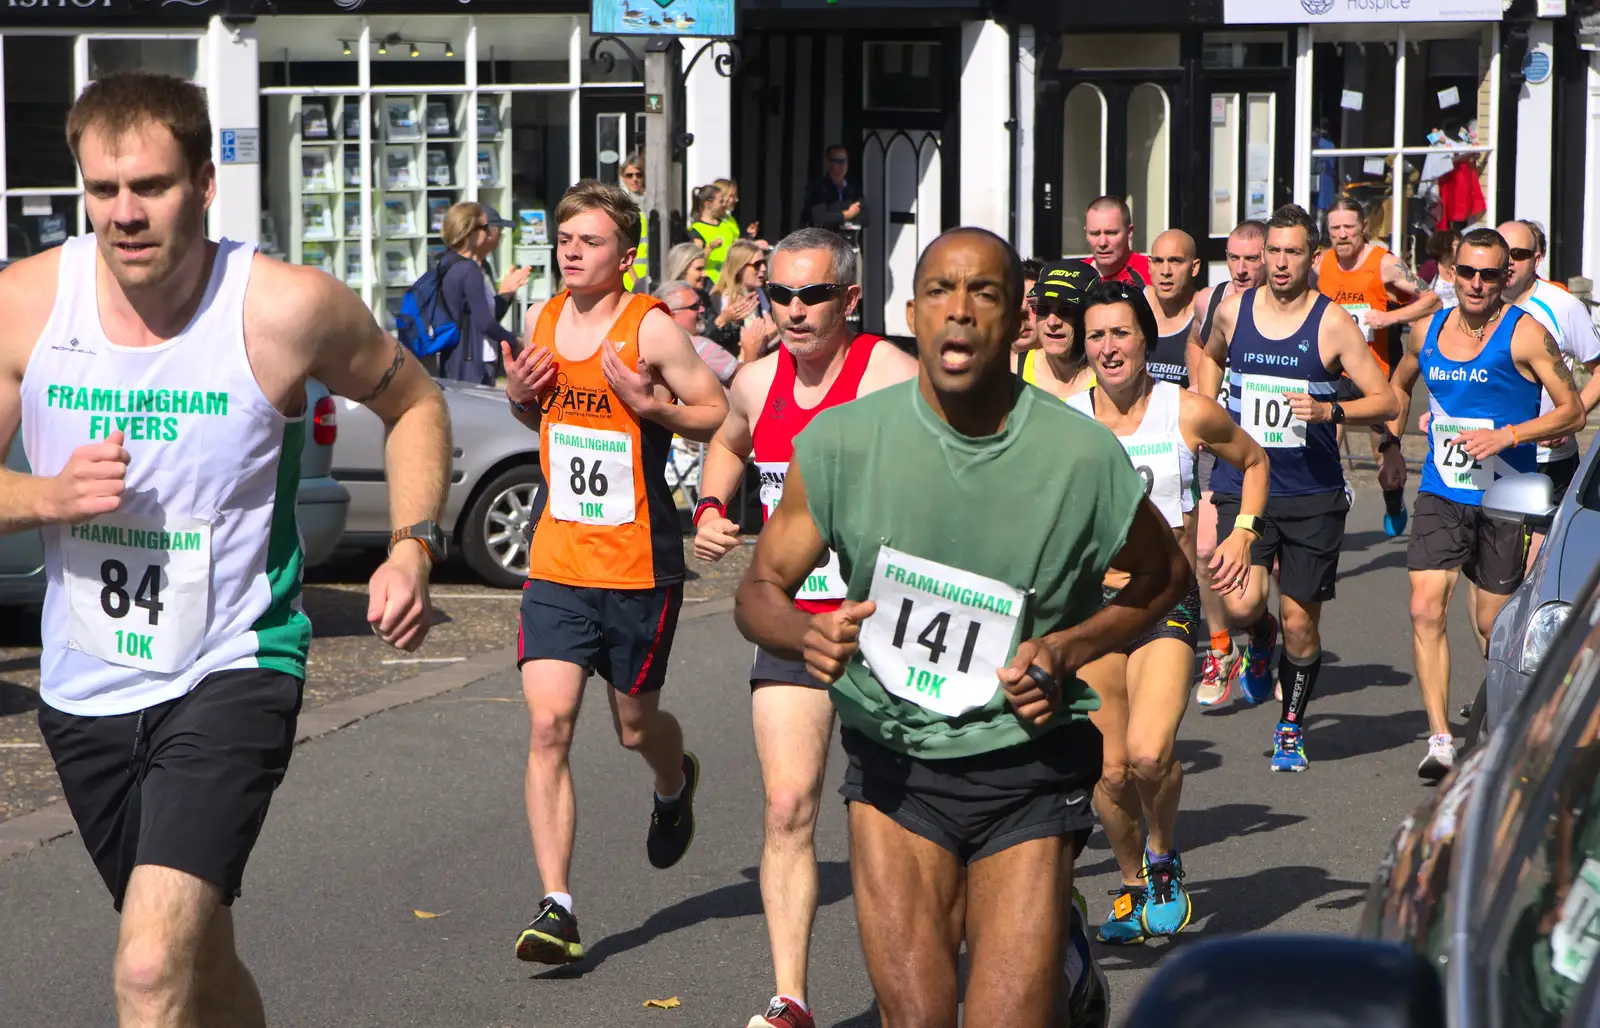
(1440, 759)
(1217, 672)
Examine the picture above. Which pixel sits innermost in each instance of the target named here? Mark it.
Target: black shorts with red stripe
(624, 635)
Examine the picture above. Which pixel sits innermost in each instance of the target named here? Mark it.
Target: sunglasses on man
(817, 292)
(1492, 276)
(1521, 253)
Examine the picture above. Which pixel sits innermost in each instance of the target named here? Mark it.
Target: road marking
(515, 595)
(427, 660)
(19, 745)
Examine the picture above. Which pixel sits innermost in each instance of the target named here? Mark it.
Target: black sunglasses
(1519, 253)
(819, 292)
(1063, 309)
(1467, 273)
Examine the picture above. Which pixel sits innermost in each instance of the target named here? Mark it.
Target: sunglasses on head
(1519, 253)
(819, 292)
(1466, 273)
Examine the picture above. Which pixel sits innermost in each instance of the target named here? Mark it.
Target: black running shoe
(551, 937)
(672, 824)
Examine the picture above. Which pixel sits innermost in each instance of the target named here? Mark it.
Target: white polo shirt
(1569, 323)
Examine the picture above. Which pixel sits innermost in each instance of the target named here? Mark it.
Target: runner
(1108, 228)
(170, 686)
(961, 828)
(818, 366)
(1051, 365)
(1144, 687)
(1247, 269)
(1028, 336)
(1382, 294)
(605, 570)
(1484, 363)
(1173, 266)
(1285, 352)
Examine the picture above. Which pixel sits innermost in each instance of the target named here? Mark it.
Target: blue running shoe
(1395, 524)
(1167, 910)
(1088, 995)
(1124, 926)
(1255, 685)
(1289, 748)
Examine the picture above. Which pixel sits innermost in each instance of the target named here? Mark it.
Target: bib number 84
(114, 598)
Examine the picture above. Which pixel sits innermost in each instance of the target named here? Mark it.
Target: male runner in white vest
(159, 378)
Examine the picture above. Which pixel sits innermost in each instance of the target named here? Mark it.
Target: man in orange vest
(1381, 294)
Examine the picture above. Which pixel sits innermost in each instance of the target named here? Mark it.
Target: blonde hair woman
(743, 315)
(686, 262)
(471, 232)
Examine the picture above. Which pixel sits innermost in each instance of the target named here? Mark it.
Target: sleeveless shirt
(1030, 372)
(772, 447)
(1168, 360)
(1358, 292)
(608, 519)
(198, 569)
(1158, 450)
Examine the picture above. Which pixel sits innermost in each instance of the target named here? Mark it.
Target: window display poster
(1351, 100)
(53, 230)
(400, 119)
(712, 19)
(437, 118)
(1374, 166)
(352, 120)
(1367, 12)
(1449, 97)
(397, 216)
(438, 167)
(397, 270)
(532, 229)
(316, 255)
(488, 168)
(438, 207)
(316, 169)
(352, 168)
(314, 120)
(352, 217)
(399, 169)
(316, 217)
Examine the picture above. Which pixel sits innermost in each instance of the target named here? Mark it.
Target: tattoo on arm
(388, 376)
(1559, 359)
(1411, 278)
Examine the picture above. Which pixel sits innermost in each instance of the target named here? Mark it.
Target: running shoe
(551, 937)
(1440, 759)
(1395, 524)
(1217, 675)
(782, 1013)
(1088, 995)
(1167, 910)
(1289, 748)
(1256, 682)
(672, 824)
(1124, 926)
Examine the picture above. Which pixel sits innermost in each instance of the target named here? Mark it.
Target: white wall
(708, 117)
(1022, 189)
(1591, 162)
(232, 74)
(1536, 108)
(985, 144)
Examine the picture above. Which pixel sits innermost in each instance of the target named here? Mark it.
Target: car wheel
(499, 526)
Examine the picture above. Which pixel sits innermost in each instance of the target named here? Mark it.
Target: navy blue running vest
(1276, 365)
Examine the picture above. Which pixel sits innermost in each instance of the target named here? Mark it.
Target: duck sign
(713, 19)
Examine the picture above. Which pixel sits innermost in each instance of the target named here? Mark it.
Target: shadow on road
(866, 1019)
(741, 900)
(1393, 559)
(1338, 679)
(343, 612)
(1354, 541)
(1341, 736)
(17, 699)
(1197, 756)
(1200, 828)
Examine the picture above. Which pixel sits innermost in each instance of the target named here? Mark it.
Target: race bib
(138, 589)
(1454, 464)
(940, 634)
(825, 581)
(1265, 414)
(1155, 458)
(591, 476)
(1576, 937)
(1359, 311)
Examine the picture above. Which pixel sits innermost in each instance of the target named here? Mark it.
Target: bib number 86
(933, 635)
(594, 484)
(114, 598)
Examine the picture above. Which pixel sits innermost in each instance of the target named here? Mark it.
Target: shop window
(39, 90)
(1083, 174)
(1224, 163)
(178, 57)
(1231, 51)
(309, 52)
(1108, 52)
(37, 223)
(903, 77)
(1149, 161)
(1353, 102)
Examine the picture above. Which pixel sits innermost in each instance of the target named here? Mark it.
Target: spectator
(1439, 270)
(740, 306)
(730, 200)
(687, 308)
(834, 201)
(686, 262)
(632, 178)
(471, 232)
(1108, 229)
(715, 231)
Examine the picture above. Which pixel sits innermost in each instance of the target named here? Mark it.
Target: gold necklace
(1482, 331)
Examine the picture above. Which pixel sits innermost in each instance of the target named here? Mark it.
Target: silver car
(1533, 616)
(496, 488)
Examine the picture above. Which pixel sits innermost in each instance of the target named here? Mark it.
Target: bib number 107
(933, 635)
(1273, 412)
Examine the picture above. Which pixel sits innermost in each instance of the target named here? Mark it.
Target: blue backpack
(422, 324)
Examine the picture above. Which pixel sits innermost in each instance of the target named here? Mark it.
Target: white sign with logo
(1365, 12)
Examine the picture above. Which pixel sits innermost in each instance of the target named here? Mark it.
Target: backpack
(422, 324)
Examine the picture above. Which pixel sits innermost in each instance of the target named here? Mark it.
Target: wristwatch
(708, 503)
(1248, 523)
(428, 534)
(1336, 412)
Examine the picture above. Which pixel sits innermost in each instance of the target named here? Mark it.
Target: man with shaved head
(953, 667)
(1108, 228)
(1171, 294)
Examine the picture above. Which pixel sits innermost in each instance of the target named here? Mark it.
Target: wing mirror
(1525, 499)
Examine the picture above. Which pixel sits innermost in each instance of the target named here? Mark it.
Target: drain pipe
(1013, 187)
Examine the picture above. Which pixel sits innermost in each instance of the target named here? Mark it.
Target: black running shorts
(1181, 622)
(1303, 534)
(623, 634)
(1560, 472)
(184, 784)
(771, 670)
(1446, 535)
(978, 806)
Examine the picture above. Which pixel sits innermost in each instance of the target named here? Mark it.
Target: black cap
(1065, 281)
(494, 218)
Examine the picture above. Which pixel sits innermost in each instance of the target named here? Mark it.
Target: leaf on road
(423, 915)
(663, 1004)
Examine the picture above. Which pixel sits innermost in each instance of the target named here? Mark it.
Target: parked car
(320, 509)
(1542, 603)
(496, 488)
(1485, 913)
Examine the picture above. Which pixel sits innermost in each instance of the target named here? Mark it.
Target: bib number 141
(933, 636)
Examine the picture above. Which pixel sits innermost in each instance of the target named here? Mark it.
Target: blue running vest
(1305, 458)
(1485, 392)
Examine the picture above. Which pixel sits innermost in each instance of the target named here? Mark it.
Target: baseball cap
(1064, 281)
(495, 220)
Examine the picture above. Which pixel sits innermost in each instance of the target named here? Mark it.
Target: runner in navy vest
(1171, 295)
(818, 366)
(1485, 362)
(1285, 347)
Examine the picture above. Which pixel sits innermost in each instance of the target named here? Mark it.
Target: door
(1249, 159)
(613, 128)
(900, 171)
(1107, 133)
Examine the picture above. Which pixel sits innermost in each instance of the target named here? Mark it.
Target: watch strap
(709, 503)
(1248, 522)
(419, 532)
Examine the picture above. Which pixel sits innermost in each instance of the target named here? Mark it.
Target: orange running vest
(1363, 286)
(608, 519)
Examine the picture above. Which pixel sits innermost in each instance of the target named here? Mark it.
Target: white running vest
(1158, 451)
(199, 568)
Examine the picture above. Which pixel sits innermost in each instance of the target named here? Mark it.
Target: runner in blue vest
(1285, 347)
(1485, 361)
